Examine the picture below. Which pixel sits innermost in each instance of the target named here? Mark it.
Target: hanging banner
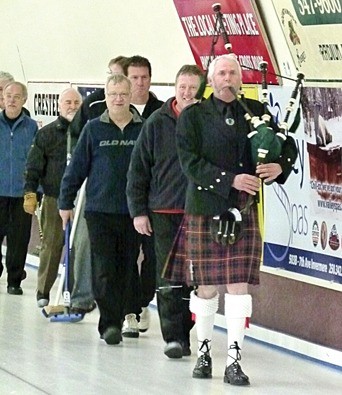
(243, 27)
(313, 31)
(303, 217)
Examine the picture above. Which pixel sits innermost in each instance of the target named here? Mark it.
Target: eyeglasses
(116, 95)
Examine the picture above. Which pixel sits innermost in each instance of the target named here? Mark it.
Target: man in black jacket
(156, 196)
(45, 166)
(138, 70)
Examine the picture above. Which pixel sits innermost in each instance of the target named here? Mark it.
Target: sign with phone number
(318, 12)
(304, 262)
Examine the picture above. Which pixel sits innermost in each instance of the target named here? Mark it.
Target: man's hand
(66, 215)
(269, 171)
(142, 225)
(30, 202)
(247, 183)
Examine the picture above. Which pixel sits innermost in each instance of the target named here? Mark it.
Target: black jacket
(92, 107)
(212, 153)
(152, 105)
(155, 179)
(47, 158)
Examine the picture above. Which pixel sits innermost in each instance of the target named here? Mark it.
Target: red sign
(242, 27)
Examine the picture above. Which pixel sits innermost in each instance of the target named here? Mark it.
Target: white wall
(63, 40)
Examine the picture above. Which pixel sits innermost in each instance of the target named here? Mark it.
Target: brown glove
(30, 202)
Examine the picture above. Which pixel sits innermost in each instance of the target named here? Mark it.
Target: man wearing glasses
(102, 155)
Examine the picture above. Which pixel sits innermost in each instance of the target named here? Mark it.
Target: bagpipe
(266, 143)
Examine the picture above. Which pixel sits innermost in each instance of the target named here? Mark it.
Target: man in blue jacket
(17, 131)
(102, 155)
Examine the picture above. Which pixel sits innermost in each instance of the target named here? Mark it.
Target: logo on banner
(290, 26)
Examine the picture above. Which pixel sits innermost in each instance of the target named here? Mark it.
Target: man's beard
(70, 116)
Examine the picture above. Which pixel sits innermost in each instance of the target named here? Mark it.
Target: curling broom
(58, 310)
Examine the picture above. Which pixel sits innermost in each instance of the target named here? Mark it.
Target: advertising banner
(313, 31)
(42, 101)
(241, 24)
(303, 217)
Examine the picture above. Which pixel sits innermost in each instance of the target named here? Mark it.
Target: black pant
(148, 270)
(143, 284)
(114, 251)
(15, 224)
(173, 299)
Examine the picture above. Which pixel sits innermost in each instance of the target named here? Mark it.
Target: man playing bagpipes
(219, 242)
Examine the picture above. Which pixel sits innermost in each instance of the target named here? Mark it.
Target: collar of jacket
(221, 106)
(136, 117)
(63, 123)
(19, 119)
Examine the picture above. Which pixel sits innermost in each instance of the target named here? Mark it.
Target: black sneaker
(14, 290)
(203, 368)
(234, 375)
(112, 335)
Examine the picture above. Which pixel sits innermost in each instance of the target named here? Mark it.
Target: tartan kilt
(196, 259)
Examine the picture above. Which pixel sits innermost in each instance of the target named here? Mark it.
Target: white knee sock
(205, 310)
(236, 309)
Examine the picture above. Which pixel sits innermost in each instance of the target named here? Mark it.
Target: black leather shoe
(234, 375)
(173, 350)
(14, 290)
(84, 310)
(186, 351)
(203, 368)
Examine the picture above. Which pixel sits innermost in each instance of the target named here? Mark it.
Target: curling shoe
(145, 318)
(130, 326)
